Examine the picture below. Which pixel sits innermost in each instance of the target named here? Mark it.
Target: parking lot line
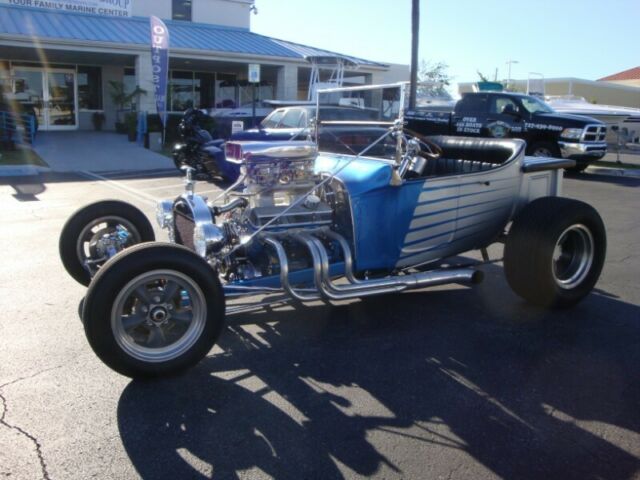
(136, 193)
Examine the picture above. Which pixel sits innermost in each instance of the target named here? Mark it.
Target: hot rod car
(301, 226)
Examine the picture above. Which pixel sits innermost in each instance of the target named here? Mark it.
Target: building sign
(254, 72)
(112, 8)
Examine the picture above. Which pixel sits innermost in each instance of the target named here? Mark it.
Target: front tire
(555, 251)
(82, 233)
(154, 310)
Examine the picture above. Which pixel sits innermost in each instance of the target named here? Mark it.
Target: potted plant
(98, 120)
(131, 123)
(121, 98)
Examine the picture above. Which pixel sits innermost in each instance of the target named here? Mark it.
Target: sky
(557, 38)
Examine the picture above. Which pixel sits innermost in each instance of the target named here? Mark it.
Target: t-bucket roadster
(301, 226)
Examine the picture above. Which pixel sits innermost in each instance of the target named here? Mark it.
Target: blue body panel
(421, 220)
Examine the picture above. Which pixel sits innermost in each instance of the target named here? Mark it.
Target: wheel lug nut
(145, 309)
(156, 299)
(169, 307)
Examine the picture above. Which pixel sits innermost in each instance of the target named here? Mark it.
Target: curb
(614, 172)
(22, 170)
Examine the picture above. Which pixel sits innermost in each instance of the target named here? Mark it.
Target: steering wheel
(434, 152)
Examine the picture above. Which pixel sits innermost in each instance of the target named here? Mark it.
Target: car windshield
(358, 119)
(533, 105)
(272, 120)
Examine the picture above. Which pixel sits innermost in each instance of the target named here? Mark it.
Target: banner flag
(160, 65)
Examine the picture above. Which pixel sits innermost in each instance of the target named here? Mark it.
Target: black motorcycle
(198, 149)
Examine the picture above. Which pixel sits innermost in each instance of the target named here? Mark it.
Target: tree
(483, 78)
(436, 74)
(122, 98)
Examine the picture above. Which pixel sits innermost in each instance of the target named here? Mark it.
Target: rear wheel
(96, 232)
(154, 310)
(555, 251)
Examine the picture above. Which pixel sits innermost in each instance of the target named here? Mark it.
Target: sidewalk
(78, 151)
(612, 166)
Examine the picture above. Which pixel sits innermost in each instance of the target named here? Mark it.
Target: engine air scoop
(243, 152)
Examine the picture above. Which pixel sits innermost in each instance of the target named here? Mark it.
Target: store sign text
(112, 8)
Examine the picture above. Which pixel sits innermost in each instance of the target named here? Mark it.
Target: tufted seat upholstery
(466, 155)
(447, 166)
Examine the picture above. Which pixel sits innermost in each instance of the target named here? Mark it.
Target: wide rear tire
(153, 310)
(555, 252)
(86, 226)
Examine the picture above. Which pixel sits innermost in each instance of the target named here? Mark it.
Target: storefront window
(182, 91)
(205, 90)
(129, 80)
(5, 83)
(226, 91)
(181, 10)
(90, 88)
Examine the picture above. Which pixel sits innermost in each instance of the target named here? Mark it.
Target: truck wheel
(82, 237)
(543, 149)
(154, 310)
(580, 167)
(555, 251)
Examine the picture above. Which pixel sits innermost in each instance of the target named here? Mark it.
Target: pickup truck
(515, 115)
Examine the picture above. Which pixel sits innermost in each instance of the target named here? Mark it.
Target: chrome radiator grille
(184, 226)
(594, 133)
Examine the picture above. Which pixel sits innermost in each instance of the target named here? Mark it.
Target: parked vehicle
(302, 226)
(198, 149)
(515, 115)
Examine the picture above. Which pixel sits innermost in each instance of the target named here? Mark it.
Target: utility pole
(415, 30)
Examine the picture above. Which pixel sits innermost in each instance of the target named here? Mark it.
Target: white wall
(222, 12)
(232, 13)
(395, 73)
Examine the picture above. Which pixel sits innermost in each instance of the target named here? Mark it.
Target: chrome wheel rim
(93, 231)
(158, 316)
(573, 256)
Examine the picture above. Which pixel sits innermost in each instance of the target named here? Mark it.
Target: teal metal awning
(43, 25)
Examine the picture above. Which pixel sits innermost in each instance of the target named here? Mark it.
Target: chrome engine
(277, 192)
(276, 177)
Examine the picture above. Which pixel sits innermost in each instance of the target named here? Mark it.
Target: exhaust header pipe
(328, 290)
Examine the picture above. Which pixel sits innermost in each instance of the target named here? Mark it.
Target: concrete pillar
(287, 83)
(144, 79)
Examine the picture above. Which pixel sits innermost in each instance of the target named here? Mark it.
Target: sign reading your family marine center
(112, 8)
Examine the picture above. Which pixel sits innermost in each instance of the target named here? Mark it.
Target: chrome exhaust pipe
(284, 273)
(328, 290)
(363, 288)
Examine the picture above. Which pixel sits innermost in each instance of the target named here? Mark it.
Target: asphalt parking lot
(451, 383)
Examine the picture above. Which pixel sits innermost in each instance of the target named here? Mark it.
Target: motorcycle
(198, 149)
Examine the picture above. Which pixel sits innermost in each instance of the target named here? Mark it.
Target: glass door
(61, 100)
(28, 92)
(50, 95)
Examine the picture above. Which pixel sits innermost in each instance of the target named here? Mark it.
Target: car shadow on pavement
(26, 187)
(427, 378)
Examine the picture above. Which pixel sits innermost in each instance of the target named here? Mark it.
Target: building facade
(65, 60)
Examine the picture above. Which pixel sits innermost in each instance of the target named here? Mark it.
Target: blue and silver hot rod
(301, 225)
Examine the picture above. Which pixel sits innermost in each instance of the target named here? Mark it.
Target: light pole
(510, 62)
(415, 30)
